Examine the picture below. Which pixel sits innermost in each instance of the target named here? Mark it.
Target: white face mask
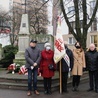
(48, 48)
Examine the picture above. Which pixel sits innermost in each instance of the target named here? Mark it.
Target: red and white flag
(59, 49)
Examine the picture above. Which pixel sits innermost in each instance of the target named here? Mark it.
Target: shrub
(9, 55)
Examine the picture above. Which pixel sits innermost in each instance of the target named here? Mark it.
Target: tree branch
(77, 19)
(84, 7)
(66, 18)
(93, 15)
(84, 13)
(41, 6)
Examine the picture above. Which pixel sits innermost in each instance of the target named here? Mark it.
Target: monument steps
(20, 82)
(21, 86)
(24, 81)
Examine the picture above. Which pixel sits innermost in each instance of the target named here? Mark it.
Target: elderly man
(92, 66)
(32, 56)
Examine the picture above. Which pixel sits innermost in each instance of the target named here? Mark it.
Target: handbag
(51, 67)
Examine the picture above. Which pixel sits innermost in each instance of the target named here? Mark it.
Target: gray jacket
(32, 56)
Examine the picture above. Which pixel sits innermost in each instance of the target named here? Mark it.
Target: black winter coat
(91, 60)
(65, 67)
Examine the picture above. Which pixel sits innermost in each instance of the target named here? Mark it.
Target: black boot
(76, 88)
(96, 90)
(45, 92)
(49, 92)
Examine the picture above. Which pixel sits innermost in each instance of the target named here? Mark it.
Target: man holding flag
(59, 49)
(67, 65)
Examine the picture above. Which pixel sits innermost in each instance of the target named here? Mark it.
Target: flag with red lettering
(59, 49)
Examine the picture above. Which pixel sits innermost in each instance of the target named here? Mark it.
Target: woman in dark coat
(47, 74)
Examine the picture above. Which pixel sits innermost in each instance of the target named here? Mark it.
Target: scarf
(67, 60)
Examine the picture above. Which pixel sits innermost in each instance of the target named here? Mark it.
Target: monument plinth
(23, 39)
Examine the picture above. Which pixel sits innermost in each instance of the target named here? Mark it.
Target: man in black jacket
(66, 67)
(91, 57)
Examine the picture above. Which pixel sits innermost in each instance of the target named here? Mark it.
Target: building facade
(92, 36)
(5, 25)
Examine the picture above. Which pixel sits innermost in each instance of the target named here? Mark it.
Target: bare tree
(80, 35)
(15, 21)
(38, 17)
(4, 17)
(37, 11)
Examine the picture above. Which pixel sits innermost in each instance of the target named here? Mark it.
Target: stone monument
(23, 39)
(42, 39)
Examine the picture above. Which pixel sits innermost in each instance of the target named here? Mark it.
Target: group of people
(77, 60)
(39, 59)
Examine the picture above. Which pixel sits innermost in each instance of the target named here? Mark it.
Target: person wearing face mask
(79, 64)
(32, 57)
(47, 74)
(92, 66)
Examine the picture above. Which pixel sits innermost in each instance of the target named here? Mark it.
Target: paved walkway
(6, 93)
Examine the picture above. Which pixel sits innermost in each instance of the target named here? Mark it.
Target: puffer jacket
(91, 60)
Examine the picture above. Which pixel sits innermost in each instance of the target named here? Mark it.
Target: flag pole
(60, 75)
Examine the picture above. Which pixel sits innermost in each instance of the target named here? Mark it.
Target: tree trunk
(79, 35)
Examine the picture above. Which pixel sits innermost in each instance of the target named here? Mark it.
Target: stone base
(19, 58)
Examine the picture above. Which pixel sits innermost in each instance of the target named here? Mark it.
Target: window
(74, 40)
(94, 25)
(71, 10)
(92, 5)
(94, 40)
(71, 40)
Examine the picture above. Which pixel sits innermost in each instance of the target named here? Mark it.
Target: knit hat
(47, 44)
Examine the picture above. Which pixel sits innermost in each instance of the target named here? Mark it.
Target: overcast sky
(4, 4)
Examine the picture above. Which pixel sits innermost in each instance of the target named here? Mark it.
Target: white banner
(59, 49)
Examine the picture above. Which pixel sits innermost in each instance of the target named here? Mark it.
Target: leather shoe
(45, 92)
(36, 92)
(49, 92)
(90, 90)
(96, 90)
(75, 89)
(66, 91)
(29, 93)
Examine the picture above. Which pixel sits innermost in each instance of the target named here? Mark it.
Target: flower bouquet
(23, 70)
(12, 68)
